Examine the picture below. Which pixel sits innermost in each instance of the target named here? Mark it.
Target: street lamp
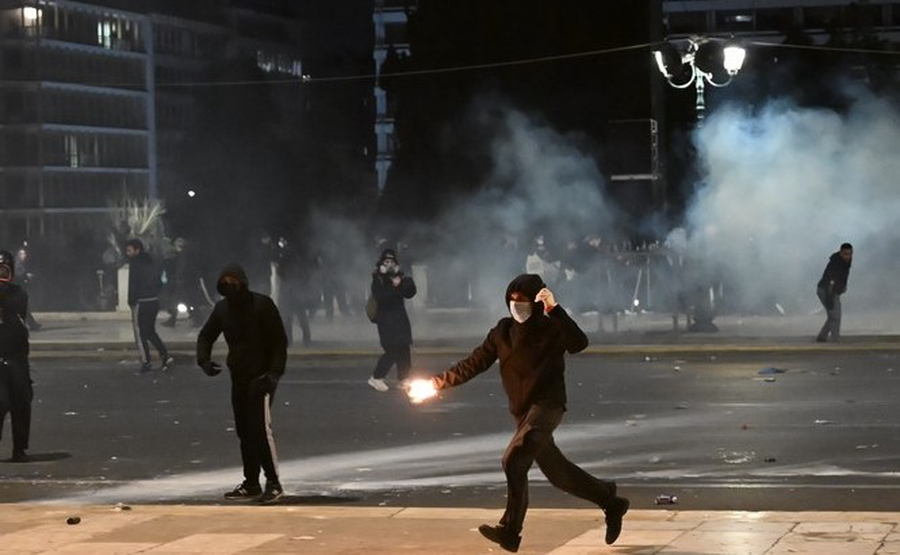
(703, 57)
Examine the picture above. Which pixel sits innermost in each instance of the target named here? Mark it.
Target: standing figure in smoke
(389, 289)
(531, 345)
(23, 279)
(15, 376)
(830, 288)
(144, 285)
(257, 352)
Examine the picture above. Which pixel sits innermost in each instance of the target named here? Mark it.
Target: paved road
(709, 428)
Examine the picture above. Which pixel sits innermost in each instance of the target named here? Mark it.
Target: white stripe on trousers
(145, 356)
(270, 437)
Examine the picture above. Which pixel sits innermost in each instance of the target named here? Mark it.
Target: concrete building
(77, 115)
(91, 111)
(770, 19)
(390, 18)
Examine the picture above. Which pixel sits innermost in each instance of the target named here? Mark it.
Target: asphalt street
(819, 432)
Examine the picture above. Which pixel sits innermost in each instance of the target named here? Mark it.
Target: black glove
(264, 384)
(210, 368)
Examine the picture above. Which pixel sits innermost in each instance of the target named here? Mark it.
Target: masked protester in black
(390, 288)
(144, 285)
(829, 290)
(257, 351)
(530, 346)
(15, 378)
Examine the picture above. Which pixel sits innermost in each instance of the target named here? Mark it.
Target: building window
(687, 22)
(72, 155)
(735, 20)
(774, 19)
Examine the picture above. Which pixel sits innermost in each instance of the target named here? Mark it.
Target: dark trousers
(15, 398)
(143, 317)
(253, 422)
(532, 443)
(832, 323)
(394, 354)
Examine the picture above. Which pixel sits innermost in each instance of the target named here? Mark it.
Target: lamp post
(702, 58)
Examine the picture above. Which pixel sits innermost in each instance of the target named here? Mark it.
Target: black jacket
(253, 329)
(144, 281)
(834, 278)
(531, 354)
(13, 332)
(392, 320)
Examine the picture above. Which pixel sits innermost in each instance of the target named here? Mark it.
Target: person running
(144, 285)
(530, 345)
(257, 352)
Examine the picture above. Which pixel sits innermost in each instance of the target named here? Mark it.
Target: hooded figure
(831, 286)
(257, 352)
(144, 285)
(530, 345)
(15, 375)
(390, 288)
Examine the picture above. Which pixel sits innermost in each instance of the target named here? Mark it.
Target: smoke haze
(784, 186)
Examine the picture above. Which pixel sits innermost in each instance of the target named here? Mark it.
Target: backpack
(372, 308)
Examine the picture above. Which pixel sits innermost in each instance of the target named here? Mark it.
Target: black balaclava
(233, 293)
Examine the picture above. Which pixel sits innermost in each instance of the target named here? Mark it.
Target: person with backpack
(144, 285)
(390, 288)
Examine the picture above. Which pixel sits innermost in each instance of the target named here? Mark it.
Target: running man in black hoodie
(829, 290)
(257, 351)
(530, 346)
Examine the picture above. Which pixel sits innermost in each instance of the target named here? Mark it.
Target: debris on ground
(772, 370)
(73, 520)
(666, 499)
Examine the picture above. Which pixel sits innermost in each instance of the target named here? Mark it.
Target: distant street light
(192, 193)
(703, 57)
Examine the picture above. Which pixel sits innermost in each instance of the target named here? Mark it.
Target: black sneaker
(614, 513)
(244, 491)
(19, 456)
(273, 494)
(145, 369)
(168, 363)
(500, 535)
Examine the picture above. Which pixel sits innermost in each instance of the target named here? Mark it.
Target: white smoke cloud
(784, 186)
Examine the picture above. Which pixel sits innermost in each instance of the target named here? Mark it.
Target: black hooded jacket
(257, 343)
(532, 366)
(144, 281)
(837, 272)
(392, 319)
(13, 333)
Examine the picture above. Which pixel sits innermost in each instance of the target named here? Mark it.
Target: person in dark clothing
(183, 284)
(530, 346)
(257, 351)
(294, 275)
(829, 290)
(144, 285)
(23, 278)
(16, 391)
(389, 289)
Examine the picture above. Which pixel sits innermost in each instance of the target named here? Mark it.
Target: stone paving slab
(41, 529)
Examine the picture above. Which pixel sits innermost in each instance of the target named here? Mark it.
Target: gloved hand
(264, 384)
(210, 368)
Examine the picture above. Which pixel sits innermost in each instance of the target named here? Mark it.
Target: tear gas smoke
(784, 186)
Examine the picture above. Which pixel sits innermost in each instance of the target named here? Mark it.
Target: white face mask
(521, 311)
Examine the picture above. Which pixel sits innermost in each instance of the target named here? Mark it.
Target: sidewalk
(327, 530)
(461, 330)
